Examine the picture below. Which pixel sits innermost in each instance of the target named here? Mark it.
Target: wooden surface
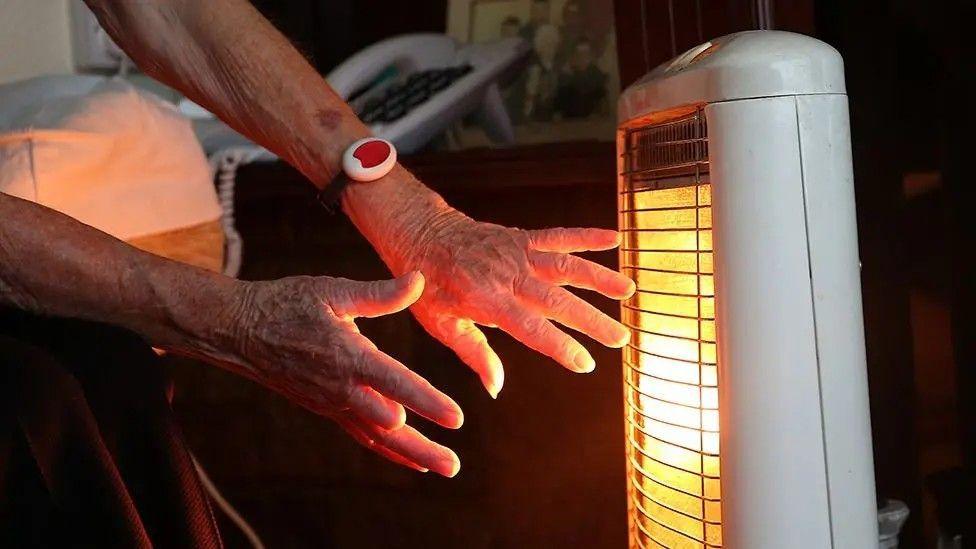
(541, 466)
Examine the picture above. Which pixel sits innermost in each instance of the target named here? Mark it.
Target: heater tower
(745, 390)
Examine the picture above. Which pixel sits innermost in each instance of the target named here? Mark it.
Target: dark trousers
(90, 453)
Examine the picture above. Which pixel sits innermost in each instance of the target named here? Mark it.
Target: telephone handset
(410, 88)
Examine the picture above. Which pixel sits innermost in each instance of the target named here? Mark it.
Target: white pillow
(112, 156)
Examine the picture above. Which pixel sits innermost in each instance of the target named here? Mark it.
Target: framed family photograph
(568, 88)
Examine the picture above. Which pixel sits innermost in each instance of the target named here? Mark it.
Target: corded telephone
(410, 88)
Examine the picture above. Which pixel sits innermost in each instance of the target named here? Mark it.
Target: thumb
(378, 297)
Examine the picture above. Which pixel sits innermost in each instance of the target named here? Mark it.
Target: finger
(376, 408)
(471, 346)
(559, 268)
(395, 381)
(414, 447)
(570, 310)
(541, 335)
(362, 438)
(377, 297)
(573, 240)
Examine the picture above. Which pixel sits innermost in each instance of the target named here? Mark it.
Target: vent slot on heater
(670, 371)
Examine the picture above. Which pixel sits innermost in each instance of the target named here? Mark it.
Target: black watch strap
(329, 196)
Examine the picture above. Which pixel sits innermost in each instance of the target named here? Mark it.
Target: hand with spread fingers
(490, 275)
(297, 336)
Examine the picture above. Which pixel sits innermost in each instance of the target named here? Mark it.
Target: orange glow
(670, 373)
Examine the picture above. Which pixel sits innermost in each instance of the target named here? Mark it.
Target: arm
(294, 335)
(225, 56)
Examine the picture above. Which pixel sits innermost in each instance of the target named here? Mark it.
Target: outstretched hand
(487, 274)
(297, 336)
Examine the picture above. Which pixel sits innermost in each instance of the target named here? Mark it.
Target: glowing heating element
(670, 371)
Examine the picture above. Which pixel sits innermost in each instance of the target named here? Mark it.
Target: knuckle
(394, 383)
(605, 276)
(601, 326)
(339, 299)
(345, 395)
(563, 263)
(361, 360)
(567, 346)
(533, 325)
(595, 318)
(375, 290)
(554, 301)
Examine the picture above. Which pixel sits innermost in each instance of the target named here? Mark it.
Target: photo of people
(567, 90)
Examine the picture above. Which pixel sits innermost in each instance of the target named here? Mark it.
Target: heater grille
(670, 371)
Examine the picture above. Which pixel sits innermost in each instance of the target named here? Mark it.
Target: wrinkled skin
(298, 337)
(495, 276)
(294, 335)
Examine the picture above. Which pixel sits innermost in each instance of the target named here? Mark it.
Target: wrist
(197, 312)
(394, 212)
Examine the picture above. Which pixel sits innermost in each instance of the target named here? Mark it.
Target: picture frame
(567, 90)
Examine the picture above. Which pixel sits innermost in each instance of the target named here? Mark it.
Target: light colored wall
(34, 38)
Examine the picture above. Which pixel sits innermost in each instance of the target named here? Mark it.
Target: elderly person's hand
(297, 336)
(477, 273)
(487, 274)
(294, 335)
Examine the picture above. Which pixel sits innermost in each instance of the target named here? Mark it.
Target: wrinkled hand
(297, 336)
(481, 273)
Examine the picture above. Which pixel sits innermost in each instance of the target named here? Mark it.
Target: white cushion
(112, 156)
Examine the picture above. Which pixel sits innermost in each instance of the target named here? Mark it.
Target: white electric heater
(745, 386)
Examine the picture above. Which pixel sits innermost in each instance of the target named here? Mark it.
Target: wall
(34, 38)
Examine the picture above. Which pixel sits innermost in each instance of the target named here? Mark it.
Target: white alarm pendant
(746, 397)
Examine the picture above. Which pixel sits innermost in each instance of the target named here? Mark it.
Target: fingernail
(493, 377)
(624, 336)
(493, 386)
(454, 468)
(584, 362)
(458, 419)
(410, 278)
(449, 465)
(631, 289)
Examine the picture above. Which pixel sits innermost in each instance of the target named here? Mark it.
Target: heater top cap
(743, 65)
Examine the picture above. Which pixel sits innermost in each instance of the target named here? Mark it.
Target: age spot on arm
(328, 119)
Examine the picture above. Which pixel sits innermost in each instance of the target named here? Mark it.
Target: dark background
(544, 464)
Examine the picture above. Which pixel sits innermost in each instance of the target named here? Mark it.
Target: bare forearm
(53, 265)
(224, 55)
(293, 335)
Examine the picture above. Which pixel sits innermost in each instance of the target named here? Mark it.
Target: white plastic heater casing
(796, 454)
